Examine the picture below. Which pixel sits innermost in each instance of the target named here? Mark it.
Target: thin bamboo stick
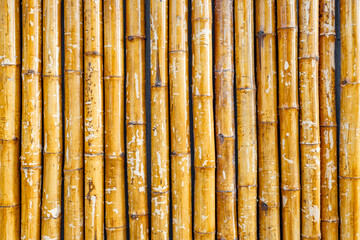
(309, 118)
(94, 119)
(349, 120)
(31, 137)
(328, 127)
(269, 202)
(246, 119)
(115, 206)
(287, 31)
(74, 112)
(204, 139)
(136, 120)
(160, 186)
(10, 100)
(52, 153)
(225, 121)
(180, 120)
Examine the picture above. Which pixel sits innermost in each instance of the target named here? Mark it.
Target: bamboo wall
(179, 119)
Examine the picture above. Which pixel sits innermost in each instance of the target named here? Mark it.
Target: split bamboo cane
(309, 118)
(180, 120)
(31, 137)
(225, 120)
(115, 206)
(287, 31)
(203, 117)
(10, 100)
(136, 120)
(246, 119)
(160, 186)
(349, 120)
(93, 119)
(269, 201)
(328, 127)
(74, 120)
(52, 153)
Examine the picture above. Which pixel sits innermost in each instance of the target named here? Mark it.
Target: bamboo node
(73, 170)
(221, 137)
(231, 191)
(114, 228)
(201, 19)
(179, 154)
(330, 220)
(178, 51)
(224, 70)
(10, 206)
(157, 192)
(135, 216)
(204, 232)
(316, 58)
(133, 37)
(343, 177)
(308, 237)
(136, 123)
(93, 53)
(247, 186)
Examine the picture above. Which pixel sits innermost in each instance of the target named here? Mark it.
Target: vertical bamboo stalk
(160, 186)
(328, 127)
(94, 119)
(287, 31)
(31, 139)
(74, 112)
(246, 119)
(269, 202)
(10, 100)
(180, 120)
(204, 139)
(349, 120)
(225, 120)
(136, 120)
(115, 206)
(309, 118)
(52, 153)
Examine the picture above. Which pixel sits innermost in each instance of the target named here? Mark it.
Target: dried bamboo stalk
(287, 31)
(31, 137)
(10, 100)
(136, 120)
(115, 206)
(203, 117)
(180, 120)
(94, 119)
(246, 119)
(269, 202)
(328, 127)
(160, 186)
(74, 111)
(52, 115)
(349, 175)
(309, 118)
(225, 121)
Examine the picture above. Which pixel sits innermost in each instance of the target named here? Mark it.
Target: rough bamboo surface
(114, 81)
(136, 120)
(225, 120)
(180, 120)
(328, 127)
(74, 120)
(349, 174)
(93, 120)
(269, 199)
(31, 120)
(287, 32)
(10, 109)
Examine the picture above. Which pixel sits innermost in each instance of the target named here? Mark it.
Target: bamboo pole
(246, 119)
(309, 118)
(349, 175)
(31, 139)
(180, 120)
(115, 206)
(287, 31)
(204, 142)
(74, 112)
(93, 119)
(136, 120)
(10, 100)
(52, 153)
(225, 121)
(160, 186)
(328, 127)
(269, 202)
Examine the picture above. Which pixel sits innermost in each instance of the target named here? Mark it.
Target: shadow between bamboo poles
(349, 174)
(10, 95)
